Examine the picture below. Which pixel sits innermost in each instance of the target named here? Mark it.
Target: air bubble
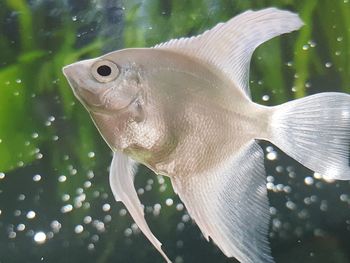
(122, 212)
(135, 229)
(40, 237)
(180, 226)
(31, 215)
(100, 226)
(169, 202)
(65, 197)
(270, 179)
(37, 178)
(276, 223)
(309, 180)
(55, 226)
(162, 188)
(21, 227)
(161, 179)
(179, 207)
(305, 47)
(312, 43)
(106, 207)
(12, 234)
(78, 229)
(107, 218)
(273, 211)
(270, 186)
(287, 189)
(17, 212)
(291, 205)
(87, 184)
(265, 98)
(272, 156)
(156, 209)
(128, 232)
(62, 178)
(186, 218)
(67, 208)
(179, 259)
(87, 220)
(324, 206)
(91, 246)
(90, 174)
(344, 197)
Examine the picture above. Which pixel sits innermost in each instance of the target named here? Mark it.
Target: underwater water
(55, 201)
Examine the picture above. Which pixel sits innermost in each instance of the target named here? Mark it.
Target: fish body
(177, 112)
(183, 109)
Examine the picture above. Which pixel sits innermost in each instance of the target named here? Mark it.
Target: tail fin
(315, 131)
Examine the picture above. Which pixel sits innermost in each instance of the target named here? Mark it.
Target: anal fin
(230, 205)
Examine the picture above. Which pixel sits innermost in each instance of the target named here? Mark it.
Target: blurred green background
(55, 201)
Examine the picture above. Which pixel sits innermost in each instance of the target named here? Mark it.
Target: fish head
(106, 84)
(110, 89)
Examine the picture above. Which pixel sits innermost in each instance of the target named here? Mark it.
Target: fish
(183, 108)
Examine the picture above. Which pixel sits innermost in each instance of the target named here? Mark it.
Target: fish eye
(105, 71)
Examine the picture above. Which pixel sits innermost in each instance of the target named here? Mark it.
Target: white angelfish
(183, 109)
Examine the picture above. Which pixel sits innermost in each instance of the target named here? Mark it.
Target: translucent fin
(230, 205)
(121, 179)
(315, 131)
(229, 46)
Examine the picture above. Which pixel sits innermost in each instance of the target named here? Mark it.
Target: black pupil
(104, 70)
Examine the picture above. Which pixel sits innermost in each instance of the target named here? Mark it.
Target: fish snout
(68, 71)
(72, 74)
(78, 72)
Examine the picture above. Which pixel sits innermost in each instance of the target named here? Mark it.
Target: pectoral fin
(230, 205)
(121, 178)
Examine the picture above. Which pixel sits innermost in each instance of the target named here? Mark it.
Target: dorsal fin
(229, 46)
